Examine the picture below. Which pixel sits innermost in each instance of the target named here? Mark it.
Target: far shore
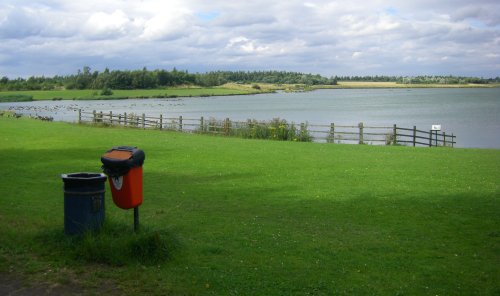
(224, 90)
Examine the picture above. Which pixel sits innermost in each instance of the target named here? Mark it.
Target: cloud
(19, 23)
(322, 36)
(102, 25)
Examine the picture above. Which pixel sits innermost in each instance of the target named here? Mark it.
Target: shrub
(276, 129)
(106, 92)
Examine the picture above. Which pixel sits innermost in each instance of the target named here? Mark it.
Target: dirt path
(15, 285)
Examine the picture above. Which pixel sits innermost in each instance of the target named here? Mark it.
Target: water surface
(472, 114)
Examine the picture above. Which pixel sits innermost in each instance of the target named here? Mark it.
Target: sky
(367, 37)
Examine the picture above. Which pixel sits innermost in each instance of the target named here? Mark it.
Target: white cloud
(246, 45)
(103, 25)
(321, 36)
(356, 54)
(169, 24)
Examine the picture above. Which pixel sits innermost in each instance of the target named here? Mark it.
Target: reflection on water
(471, 114)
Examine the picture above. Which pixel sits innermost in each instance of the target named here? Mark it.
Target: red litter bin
(123, 165)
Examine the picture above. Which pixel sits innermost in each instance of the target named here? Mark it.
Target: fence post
(95, 116)
(360, 125)
(444, 139)
(110, 117)
(332, 133)
(202, 125)
(161, 121)
(125, 118)
(143, 121)
(414, 135)
(180, 123)
(452, 140)
(302, 131)
(430, 138)
(226, 127)
(79, 116)
(394, 135)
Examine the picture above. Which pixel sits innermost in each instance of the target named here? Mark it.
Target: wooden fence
(332, 133)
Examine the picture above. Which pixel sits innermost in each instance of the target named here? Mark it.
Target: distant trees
(425, 79)
(146, 79)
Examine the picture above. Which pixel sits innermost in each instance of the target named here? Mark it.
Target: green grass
(254, 217)
(7, 97)
(134, 93)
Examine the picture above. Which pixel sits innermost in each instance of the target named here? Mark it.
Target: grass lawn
(254, 217)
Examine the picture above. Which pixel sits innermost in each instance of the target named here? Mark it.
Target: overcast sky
(384, 37)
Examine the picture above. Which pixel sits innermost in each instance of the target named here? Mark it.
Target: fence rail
(278, 129)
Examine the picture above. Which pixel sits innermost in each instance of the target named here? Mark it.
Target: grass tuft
(114, 245)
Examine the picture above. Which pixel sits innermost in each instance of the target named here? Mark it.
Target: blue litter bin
(83, 202)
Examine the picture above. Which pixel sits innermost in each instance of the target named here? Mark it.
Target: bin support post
(136, 219)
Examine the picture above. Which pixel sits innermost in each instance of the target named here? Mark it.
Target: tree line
(146, 79)
(160, 78)
(422, 79)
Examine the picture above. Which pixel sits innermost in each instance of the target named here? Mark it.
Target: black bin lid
(119, 160)
(83, 178)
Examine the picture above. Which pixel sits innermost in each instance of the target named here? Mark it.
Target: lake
(472, 114)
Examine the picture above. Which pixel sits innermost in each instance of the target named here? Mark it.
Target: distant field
(363, 84)
(89, 94)
(254, 217)
(227, 89)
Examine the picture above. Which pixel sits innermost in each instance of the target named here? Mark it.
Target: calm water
(471, 114)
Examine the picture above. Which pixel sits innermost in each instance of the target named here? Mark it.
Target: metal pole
(136, 219)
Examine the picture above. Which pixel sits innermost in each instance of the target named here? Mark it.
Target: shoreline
(229, 89)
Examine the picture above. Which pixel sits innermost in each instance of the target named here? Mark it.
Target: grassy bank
(226, 89)
(90, 94)
(255, 217)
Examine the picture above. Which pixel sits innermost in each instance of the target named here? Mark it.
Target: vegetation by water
(14, 97)
(145, 79)
(160, 78)
(234, 216)
(88, 94)
(276, 129)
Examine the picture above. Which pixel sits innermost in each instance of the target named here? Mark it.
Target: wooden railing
(332, 133)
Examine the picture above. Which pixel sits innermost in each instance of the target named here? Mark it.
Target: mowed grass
(253, 217)
(89, 94)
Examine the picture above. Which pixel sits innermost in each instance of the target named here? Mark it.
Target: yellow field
(367, 84)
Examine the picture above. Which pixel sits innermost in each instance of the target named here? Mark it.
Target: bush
(276, 129)
(106, 92)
